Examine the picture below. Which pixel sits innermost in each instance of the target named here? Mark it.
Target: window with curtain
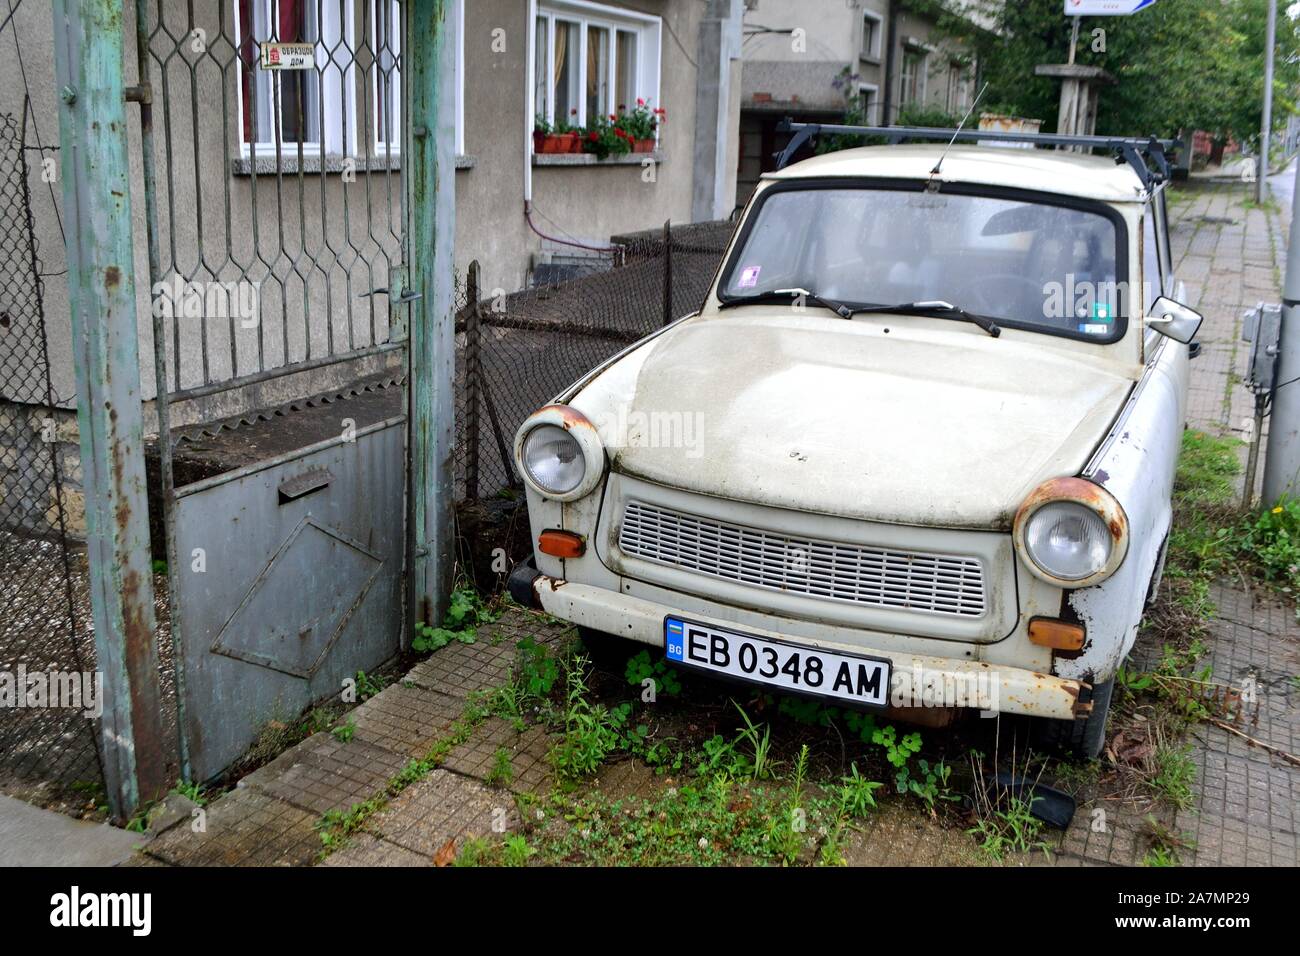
(598, 104)
(913, 76)
(592, 60)
(281, 105)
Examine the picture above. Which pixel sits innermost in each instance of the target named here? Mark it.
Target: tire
(1154, 588)
(1083, 737)
(606, 650)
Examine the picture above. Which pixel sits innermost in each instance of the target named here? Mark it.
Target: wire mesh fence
(516, 352)
(47, 752)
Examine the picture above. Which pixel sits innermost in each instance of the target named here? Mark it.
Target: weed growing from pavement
(191, 791)
(502, 771)
(1003, 817)
(466, 612)
(1166, 844)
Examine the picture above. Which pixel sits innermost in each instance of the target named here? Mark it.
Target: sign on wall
(288, 56)
(1104, 8)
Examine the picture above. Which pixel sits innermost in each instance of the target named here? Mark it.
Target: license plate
(791, 667)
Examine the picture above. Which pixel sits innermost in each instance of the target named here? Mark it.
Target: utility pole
(1266, 123)
(1282, 463)
(427, 155)
(89, 44)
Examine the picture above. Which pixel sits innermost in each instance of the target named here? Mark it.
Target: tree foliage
(1178, 64)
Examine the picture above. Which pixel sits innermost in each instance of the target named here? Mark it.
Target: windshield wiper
(936, 307)
(843, 311)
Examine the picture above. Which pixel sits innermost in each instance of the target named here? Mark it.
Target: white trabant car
(916, 449)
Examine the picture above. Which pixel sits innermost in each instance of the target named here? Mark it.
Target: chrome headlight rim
(1085, 494)
(580, 428)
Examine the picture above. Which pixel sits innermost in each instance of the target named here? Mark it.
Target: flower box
(643, 146)
(557, 143)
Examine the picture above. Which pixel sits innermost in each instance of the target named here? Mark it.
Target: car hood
(898, 419)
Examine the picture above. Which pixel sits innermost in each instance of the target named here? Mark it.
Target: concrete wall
(317, 243)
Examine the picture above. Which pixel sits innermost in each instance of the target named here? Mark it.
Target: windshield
(1026, 264)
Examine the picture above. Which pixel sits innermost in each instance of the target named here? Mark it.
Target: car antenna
(932, 186)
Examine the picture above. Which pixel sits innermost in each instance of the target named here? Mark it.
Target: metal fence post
(88, 52)
(473, 373)
(1282, 457)
(428, 154)
(668, 271)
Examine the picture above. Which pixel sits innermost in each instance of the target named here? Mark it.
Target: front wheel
(1082, 737)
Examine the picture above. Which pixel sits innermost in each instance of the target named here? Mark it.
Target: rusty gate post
(428, 83)
(473, 369)
(88, 52)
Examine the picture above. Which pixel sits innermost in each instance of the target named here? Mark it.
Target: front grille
(859, 574)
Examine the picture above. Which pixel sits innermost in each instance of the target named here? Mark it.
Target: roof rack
(1132, 150)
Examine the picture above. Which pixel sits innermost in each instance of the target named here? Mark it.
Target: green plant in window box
(604, 139)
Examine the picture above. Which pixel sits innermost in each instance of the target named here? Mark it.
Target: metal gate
(271, 133)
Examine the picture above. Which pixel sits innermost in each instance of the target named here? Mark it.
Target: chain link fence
(48, 753)
(516, 352)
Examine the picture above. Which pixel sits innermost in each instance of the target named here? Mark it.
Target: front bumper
(917, 680)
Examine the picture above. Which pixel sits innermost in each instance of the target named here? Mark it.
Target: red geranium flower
(640, 101)
(593, 136)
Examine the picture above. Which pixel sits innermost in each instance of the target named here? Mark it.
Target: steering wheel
(993, 292)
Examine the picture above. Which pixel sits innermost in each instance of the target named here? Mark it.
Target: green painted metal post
(89, 45)
(428, 157)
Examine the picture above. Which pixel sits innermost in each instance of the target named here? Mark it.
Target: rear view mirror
(1174, 319)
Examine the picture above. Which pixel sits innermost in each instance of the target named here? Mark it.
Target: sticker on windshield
(1101, 312)
(749, 277)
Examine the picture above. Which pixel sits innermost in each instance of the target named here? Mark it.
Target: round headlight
(1071, 532)
(553, 459)
(1067, 540)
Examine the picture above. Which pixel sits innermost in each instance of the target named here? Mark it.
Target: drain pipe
(530, 103)
(887, 94)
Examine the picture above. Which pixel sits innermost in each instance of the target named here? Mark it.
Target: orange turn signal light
(1061, 635)
(561, 544)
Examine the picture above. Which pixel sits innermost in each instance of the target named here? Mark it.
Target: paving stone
(323, 774)
(364, 849)
(529, 768)
(406, 720)
(459, 670)
(244, 828)
(442, 807)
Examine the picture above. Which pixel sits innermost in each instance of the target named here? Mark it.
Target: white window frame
(875, 90)
(879, 21)
(337, 101)
(922, 69)
(957, 77)
(649, 33)
(382, 147)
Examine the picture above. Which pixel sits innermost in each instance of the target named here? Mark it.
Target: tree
(1179, 64)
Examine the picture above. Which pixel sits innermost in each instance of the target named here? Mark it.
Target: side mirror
(1174, 319)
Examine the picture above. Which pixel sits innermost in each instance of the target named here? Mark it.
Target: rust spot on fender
(570, 417)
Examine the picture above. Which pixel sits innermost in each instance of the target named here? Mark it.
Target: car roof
(1043, 170)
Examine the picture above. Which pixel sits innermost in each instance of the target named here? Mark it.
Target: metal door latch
(406, 296)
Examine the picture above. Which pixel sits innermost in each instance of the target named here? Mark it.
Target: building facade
(818, 60)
